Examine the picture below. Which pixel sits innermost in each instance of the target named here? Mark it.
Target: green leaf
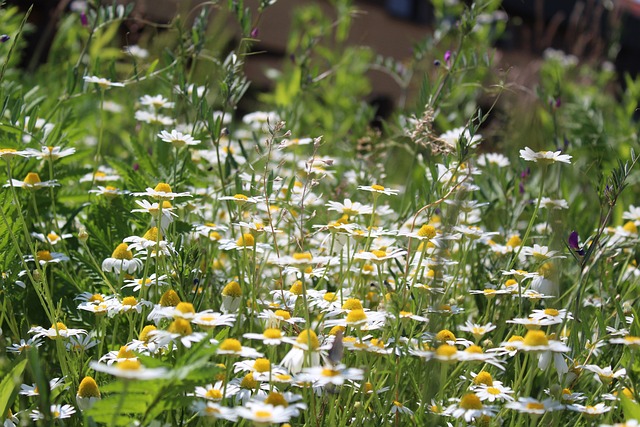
(630, 408)
(9, 385)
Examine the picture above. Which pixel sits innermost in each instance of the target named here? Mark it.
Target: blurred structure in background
(592, 30)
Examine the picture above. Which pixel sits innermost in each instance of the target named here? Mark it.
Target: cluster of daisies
(317, 305)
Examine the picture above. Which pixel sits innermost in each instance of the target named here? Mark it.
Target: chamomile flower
(102, 82)
(178, 139)
(493, 392)
(629, 340)
(597, 409)
(306, 350)
(150, 281)
(378, 189)
(46, 257)
(162, 191)
(130, 370)
(20, 347)
(533, 406)
(478, 331)
(544, 157)
(349, 208)
(493, 159)
(470, 408)
(451, 137)
(155, 102)
(32, 390)
(548, 203)
(32, 182)
(56, 331)
(50, 153)
(264, 414)
(216, 392)
(88, 393)
(52, 237)
(232, 347)
(214, 410)
(335, 375)
(540, 253)
(270, 336)
(109, 191)
(58, 412)
(153, 118)
(605, 375)
(122, 260)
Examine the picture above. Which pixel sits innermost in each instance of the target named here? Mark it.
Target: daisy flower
(122, 260)
(209, 319)
(478, 331)
(379, 255)
(306, 349)
(58, 412)
(154, 210)
(264, 414)
(378, 189)
(59, 330)
(32, 390)
(629, 340)
(46, 257)
(162, 191)
(597, 409)
(18, 348)
(178, 139)
(52, 237)
(130, 370)
(530, 405)
(102, 82)
(232, 347)
(48, 152)
(540, 253)
(214, 410)
(109, 191)
(335, 375)
(32, 182)
(153, 118)
(103, 174)
(544, 157)
(451, 137)
(548, 203)
(156, 102)
(88, 393)
(495, 159)
(178, 331)
(350, 208)
(605, 375)
(216, 392)
(493, 392)
(270, 336)
(137, 284)
(470, 408)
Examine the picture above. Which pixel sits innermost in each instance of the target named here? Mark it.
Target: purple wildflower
(573, 243)
(4, 38)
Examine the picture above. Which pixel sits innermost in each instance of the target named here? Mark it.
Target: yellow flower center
(379, 254)
(163, 187)
(125, 353)
(144, 334)
(309, 338)
(88, 388)
(44, 256)
(377, 187)
(121, 252)
(240, 197)
(445, 335)
(301, 256)
(536, 338)
(335, 330)
(285, 315)
(32, 178)
(231, 344)
(213, 394)
(52, 237)
(262, 414)
(446, 350)
(151, 234)
(428, 231)
(232, 289)
(276, 399)
(169, 299)
(96, 298)
(470, 401)
(630, 227)
(356, 316)
(129, 365)
(551, 312)
(246, 240)
(328, 372)
(474, 349)
(248, 382)
(296, 288)
(330, 297)
(129, 301)
(483, 377)
(59, 326)
(180, 326)
(185, 307)
(535, 405)
(262, 365)
(514, 241)
(272, 333)
(352, 304)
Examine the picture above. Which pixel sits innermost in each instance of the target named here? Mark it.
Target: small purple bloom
(573, 243)
(83, 19)
(436, 63)
(4, 38)
(254, 33)
(447, 57)
(136, 166)
(521, 187)
(558, 102)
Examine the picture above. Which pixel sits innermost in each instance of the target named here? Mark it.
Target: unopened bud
(83, 235)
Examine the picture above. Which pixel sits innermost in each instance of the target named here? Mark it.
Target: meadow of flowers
(168, 260)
